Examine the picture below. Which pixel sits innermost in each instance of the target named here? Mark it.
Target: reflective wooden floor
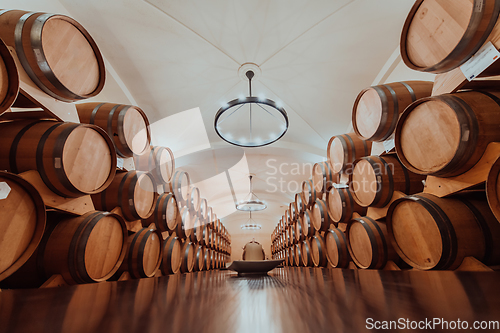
(288, 300)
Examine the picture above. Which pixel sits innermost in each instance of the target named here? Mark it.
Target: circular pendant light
(251, 203)
(251, 225)
(251, 121)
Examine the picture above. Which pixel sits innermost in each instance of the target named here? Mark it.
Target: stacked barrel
(103, 221)
(377, 209)
(193, 229)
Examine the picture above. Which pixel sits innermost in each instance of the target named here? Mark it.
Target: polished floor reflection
(287, 300)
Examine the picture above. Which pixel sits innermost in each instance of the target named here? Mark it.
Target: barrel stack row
(61, 165)
(442, 136)
(190, 227)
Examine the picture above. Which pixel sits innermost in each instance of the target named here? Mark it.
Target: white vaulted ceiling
(170, 56)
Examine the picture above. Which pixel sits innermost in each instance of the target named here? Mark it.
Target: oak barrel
(128, 127)
(200, 231)
(133, 191)
(171, 260)
(376, 109)
(309, 193)
(203, 212)
(319, 215)
(318, 250)
(187, 256)
(298, 254)
(72, 159)
(199, 260)
(9, 79)
(206, 262)
(292, 211)
(185, 224)
(306, 254)
(180, 186)
(439, 36)
(493, 188)
(299, 236)
(56, 52)
(307, 224)
(299, 204)
(166, 213)
(209, 237)
(375, 178)
(446, 135)
(446, 229)
(323, 176)
(368, 244)
(22, 222)
(343, 150)
(337, 251)
(159, 161)
(88, 248)
(194, 200)
(291, 234)
(341, 204)
(144, 254)
(291, 255)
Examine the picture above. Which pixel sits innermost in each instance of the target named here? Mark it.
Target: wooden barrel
(292, 211)
(133, 191)
(72, 159)
(337, 251)
(298, 255)
(299, 204)
(9, 79)
(341, 204)
(439, 36)
(446, 135)
(159, 161)
(319, 215)
(291, 234)
(375, 178)
(309, 193)
(286, 217)
(199, 260)
(144, 254)
(447, 230)
(299, 236)
(343, 150)
(206, 262)
(208, 237)
(194, 200)
(128, 127)
(323, 177)
(22, 222)
(187, 256)
(291, 256)
(368, 243)
(376, 109)
(88, 248)
(200, 231)
(213, 259)
(318, 251)
(307, 225)
(180, 186)
(171, 260)
(166, 213)
(185, 224)
(493, 188)
(203, 212)
(66, 64)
